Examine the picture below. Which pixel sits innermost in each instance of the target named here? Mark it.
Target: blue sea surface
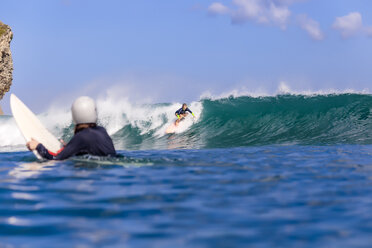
(257, 196)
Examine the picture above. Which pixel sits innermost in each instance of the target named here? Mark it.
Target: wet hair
(184, 104)
(80, 127)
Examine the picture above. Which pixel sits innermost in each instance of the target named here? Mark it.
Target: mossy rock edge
(3, 28)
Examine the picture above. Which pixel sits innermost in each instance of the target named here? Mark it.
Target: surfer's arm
(177, 113)
(45, 153)
(71, 149)
(190, 112)
(36, 145)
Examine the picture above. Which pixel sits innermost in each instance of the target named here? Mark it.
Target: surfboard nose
(12, 99)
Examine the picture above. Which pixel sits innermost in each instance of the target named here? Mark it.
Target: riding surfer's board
(31, 127)
(171, 129)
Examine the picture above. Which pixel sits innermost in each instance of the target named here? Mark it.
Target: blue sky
(168, 50)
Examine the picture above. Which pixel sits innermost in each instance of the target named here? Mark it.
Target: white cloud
(261, 11)
(247, 9)
(311, 27)
(218, 9)
(349, 25)
(279, 14)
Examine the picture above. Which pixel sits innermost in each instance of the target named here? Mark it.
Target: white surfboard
(171, 128)
(31, 127)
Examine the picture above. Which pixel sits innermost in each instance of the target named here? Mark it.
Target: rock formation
(6, 63)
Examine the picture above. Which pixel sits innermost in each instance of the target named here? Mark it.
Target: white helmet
(84, 110)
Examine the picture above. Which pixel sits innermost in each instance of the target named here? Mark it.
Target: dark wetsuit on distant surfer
(88, 139)
(182, 113)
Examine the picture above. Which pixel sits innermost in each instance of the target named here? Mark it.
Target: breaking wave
(317, 119)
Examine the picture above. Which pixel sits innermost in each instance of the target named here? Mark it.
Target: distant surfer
(88, 139)
(182, 113)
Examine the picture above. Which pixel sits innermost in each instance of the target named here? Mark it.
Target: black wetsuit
(92, 140)
(182, 112)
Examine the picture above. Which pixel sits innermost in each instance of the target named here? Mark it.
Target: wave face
(287, 119)
(227, 122)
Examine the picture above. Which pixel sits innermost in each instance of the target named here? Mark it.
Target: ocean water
(274, 171)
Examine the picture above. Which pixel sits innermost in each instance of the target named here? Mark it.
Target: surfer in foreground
(88, 139)
(182, 113)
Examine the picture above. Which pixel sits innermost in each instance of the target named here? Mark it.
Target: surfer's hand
(31, 145)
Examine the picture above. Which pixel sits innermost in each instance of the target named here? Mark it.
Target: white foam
(282, 89)
(10, 136)
(115, 114)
